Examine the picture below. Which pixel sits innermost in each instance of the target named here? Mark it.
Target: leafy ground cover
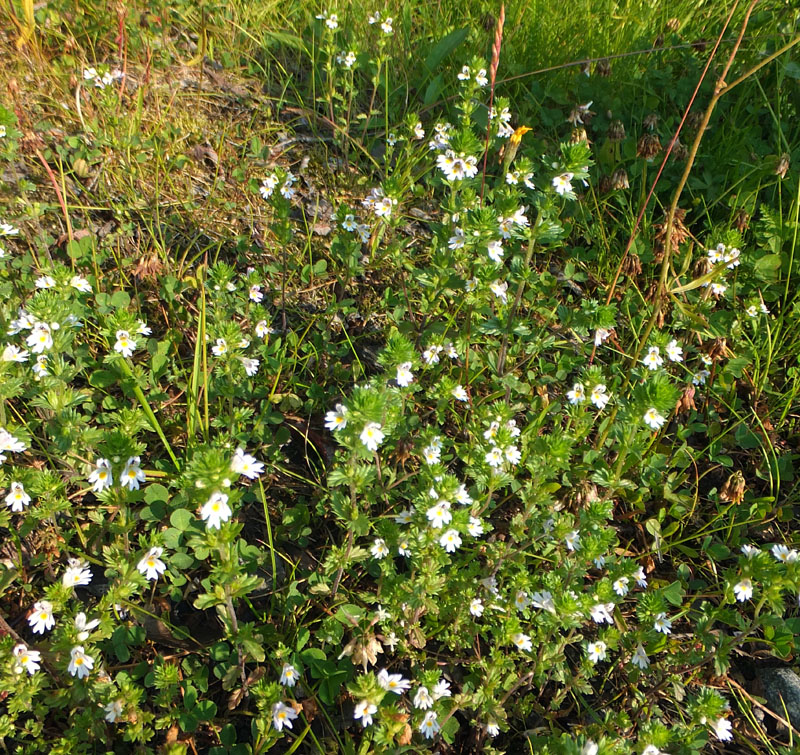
(399, 379)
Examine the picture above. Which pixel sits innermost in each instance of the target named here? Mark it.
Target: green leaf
(768, 267)
(181, 519)
(103, 378)
(674, 593)
(443, 48)
(349, 614)
(156, 492)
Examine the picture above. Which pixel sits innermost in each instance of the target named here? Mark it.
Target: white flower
(718, 289)
(393, 682)
(783, 554)
(13, 353)
(40, 367)
(577, 394)
(459, 393)
(599, 396)
(480, 78)
(263, 329)
(152, 565)
(441, 689)
(215, 511)
(268, 186)
(8, 442)
(431, 354)
(732, 258)
(499, 289)
(6, 229)
(640, 577)
(543, 600)
(573, 540)
(494, 458)
(244, 464)
(432, 453)
(522, 641)
(372, 436)
(640, 658)
(132, 474)
(46, 281)
(255, 293)
(601, 612)
(124, 345)
(723, 729)
(471, 285)
(84, 627)
(596, 651)
(563, 184)
(763, 308)
(750, 550)
(439, 515)
(653, 419)
(220, 348)
(113, 710)
(475, 527)
(513, 455)
(674, 351)
(601, 335)
(450, 541)
(80, 664)
(621, 586)
(250, 365)
(590, 748)
(717, 254)
(41, 617)
(653, 360)
(143, 328)
(347, 60)
(379, 549)
(404, 375)
(26, 660)
(429, 726)
(364, 710)
(662, 624)
(40, 338)
(492, 729)
(77, 573)
(743, 590)
(17, 498)
(521, 600)
(289, 675)
(80, 283)
(423, 699)
(699, 378)
(101, 477)
(476, 607)
(419, 132)
(349, 223)
(386, 26)
(282, 715)
(336, 419)
(495, 249)
(404, 517)
(464, 74)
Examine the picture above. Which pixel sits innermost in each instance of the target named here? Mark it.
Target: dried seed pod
(674, 24)
(603, 68)
(741, 221)
(686, 401)
(782, 165)
(649, 146)
(616, 131)
(578, 135)
(680, 152)
(651, 121)
(734, 488)
(619, 180)
(632, 265)
(605, 185)
(718, 349)
(693, 121)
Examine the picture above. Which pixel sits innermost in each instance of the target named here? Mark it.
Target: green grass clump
(356, 400)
